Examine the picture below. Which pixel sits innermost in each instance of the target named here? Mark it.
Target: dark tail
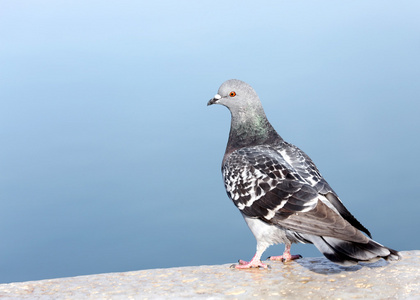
(350, 253)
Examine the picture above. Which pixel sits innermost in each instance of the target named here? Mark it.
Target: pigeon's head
(236, 95)
(249, 125)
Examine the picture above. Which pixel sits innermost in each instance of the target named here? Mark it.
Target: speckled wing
(263, 184)
(303, 165)
(307, 170)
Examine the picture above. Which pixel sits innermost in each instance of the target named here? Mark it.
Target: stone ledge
(306, 278)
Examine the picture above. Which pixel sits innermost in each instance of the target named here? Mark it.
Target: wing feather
(307, 169)
(263, 184)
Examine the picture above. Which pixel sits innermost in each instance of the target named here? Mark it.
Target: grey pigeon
(280, 192)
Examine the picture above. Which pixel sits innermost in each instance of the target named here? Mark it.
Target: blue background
(110, 159)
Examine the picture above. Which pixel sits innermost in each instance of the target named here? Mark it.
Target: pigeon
(280, 192)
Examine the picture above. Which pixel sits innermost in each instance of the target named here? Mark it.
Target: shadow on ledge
(322, 265)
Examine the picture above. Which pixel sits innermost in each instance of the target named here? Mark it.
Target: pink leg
(286, 255)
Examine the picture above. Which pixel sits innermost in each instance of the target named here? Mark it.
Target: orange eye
(232, 94)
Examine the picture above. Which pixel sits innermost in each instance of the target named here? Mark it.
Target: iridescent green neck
(250, 128)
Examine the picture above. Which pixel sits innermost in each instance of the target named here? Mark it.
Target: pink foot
(254, 263)
(286, 255)
(285, 258)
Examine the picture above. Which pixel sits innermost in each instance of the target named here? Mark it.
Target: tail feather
(350, 253)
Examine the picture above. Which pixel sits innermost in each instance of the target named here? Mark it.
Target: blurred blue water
(110, 159)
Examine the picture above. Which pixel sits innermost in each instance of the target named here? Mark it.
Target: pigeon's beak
(214, 100)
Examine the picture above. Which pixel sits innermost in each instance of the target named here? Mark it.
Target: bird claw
(284, 259)
(252, 264)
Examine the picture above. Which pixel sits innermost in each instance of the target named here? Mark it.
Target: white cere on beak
(217, 96)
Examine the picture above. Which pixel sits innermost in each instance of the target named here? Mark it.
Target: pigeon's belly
(266, 234)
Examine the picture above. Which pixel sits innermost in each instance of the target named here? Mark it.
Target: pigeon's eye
(232, 94)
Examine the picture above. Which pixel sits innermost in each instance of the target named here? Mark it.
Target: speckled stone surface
(307, 278)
